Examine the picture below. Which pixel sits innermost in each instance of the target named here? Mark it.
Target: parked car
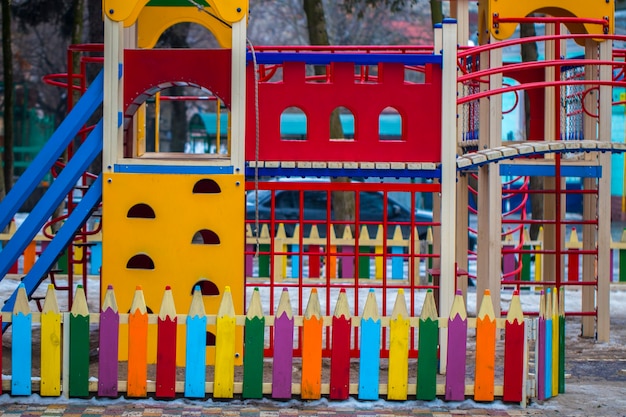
(315, 211)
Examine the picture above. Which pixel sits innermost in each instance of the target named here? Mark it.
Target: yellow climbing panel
(591, 9)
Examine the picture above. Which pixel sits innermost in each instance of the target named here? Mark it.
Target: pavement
(90, 408)
(36, 406)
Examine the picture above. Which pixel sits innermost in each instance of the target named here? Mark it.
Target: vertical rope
(256, 146)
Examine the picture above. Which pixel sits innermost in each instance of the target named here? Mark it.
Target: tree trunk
(76, 38)
(529, 54)
(178, 122)
(95, 34)
(7, 65)
(343, 202)
(436, 12)
(176, 37)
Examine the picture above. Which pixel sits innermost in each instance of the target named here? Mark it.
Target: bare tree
(176, 37)
(6, 174)
(343, 202)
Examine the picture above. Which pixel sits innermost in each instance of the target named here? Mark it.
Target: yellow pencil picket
(378, 252)
(50, 346)
(399, 350)
(225, 348)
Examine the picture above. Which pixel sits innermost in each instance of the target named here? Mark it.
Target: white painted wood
(447, 265)
(459, 9)
(113, 94)
(238, 94)
(604, 199)
(494, 186)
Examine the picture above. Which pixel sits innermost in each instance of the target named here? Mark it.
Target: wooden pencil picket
(406, 379)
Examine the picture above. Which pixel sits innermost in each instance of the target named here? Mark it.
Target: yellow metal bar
(218, 130)
(157, 114)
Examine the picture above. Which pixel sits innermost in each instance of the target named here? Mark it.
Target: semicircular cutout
(141, 211)
(206, 287)
(205, 237)
(140, 261)
(206, 186)
(148, 310)
(210, 339)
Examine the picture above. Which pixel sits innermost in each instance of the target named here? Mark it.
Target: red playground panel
(418, 104)
(147, 71)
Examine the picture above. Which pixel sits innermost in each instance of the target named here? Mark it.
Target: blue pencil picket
(370, 350)
(195, 366)
(21, 352)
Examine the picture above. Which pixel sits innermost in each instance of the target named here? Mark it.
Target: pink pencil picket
(541, 349)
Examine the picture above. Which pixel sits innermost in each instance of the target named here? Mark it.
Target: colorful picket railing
(39, 243)
(65, 347)
(323, 254)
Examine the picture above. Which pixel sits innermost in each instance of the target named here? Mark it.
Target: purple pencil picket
(457, 350)
(108, 348)
(283, 351)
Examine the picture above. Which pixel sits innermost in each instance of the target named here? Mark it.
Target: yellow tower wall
(154, 217)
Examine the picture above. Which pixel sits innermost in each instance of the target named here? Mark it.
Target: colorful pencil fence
(550, 345)
(324, 256)
(332, 257)
(39, 242)
(507, 378)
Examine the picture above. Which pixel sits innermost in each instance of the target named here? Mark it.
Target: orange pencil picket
(138, 346)
(485, 350)
(312, 349)
(331, 267)
(30, 254)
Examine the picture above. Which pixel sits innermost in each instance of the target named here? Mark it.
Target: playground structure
(207, 236)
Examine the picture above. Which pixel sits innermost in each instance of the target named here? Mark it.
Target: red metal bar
(573, 62)
(557, 162)
(325, 282)
(550, 283)
(541, 84)
(476, 50)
